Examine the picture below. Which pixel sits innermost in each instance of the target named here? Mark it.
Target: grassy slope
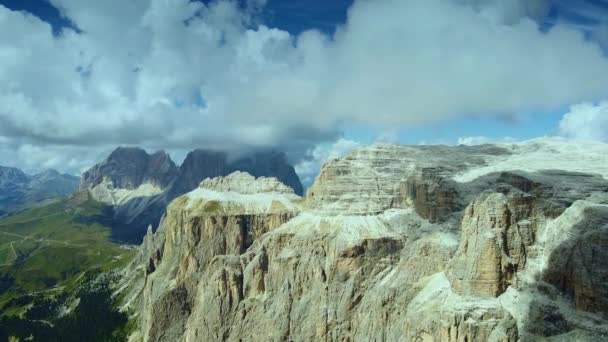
(49, 248)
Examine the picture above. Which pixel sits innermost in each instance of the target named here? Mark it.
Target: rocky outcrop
(578, 257)
(438, 314)
(391, 243)
(434, 197)
(497, 232)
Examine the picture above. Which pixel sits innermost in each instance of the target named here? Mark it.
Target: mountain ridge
(390, 243)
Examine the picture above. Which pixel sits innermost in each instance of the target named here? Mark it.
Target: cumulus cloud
(179, 74)
(480, 140)
(586, 121)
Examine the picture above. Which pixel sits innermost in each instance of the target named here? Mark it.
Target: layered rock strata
(391, 243)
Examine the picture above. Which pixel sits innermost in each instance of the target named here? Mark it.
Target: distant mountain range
(138, 186)
(19, 190)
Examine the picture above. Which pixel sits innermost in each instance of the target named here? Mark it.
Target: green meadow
(48, 250)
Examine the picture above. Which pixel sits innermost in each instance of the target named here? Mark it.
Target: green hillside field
(48, 250)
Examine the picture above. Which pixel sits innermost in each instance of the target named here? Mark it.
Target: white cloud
(480, 140)
(586, 121)
(309, 167)
(35, 158)
(178, 74)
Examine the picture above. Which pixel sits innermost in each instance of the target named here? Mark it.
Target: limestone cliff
(391, 243)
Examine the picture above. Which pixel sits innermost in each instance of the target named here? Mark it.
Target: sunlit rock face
(391, 243)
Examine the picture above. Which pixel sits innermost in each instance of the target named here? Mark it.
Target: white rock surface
(243, 193)
(105, 192)
(545, 154)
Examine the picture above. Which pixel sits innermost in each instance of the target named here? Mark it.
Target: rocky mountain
(129, 168)
(19, 190)
(139, 186)
(391, 243)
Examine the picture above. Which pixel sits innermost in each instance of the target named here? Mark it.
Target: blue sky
(396, 71)
(296, 16)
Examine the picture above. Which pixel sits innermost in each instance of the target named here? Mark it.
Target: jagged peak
(130, 167)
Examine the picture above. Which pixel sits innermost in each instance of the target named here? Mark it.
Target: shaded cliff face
(139, 186)
(391, 243)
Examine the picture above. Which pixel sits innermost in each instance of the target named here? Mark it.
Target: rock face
(19, 190)
(496, 232)
(222, 217)
(578, 261)
(139, 186)
(391, 243)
